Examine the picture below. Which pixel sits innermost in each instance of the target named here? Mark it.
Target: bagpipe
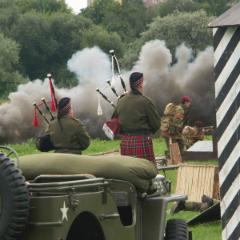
(43, 107)
(111, 127)
(115, 68)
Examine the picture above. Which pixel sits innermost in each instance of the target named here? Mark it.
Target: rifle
(208, 129)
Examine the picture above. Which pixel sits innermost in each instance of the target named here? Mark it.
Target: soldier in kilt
(138, 119)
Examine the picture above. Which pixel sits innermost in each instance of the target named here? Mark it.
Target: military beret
(135, 76)
(185, 99)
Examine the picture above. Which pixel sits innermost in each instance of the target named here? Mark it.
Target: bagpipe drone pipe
(43, 109)
(111, 127)
(110, 83)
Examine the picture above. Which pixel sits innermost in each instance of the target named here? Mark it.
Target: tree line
(39, 36)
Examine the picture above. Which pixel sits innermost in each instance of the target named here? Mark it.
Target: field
(211, 231)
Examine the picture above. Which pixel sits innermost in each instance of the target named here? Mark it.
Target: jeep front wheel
(14, 200)
(176, 229)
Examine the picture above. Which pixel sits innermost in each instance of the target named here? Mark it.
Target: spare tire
(14, 200)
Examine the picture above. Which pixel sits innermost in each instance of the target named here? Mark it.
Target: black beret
(135, 76)
(63, 102)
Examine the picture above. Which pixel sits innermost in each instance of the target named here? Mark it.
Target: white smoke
(91, 65)
(154, 57)
(164, 82)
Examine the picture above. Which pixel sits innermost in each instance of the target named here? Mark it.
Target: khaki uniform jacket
(68, 135)
(186, 120)
(137, 114)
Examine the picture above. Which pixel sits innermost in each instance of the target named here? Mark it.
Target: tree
(43, 6)
(176, 28)
(9, 59)
(48, 41)
(213, 7)
(171, 6)
(33, 33)
(128, 19)
(9, 15)
(100, 9)
(98, 36)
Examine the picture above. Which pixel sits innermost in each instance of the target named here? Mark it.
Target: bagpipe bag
(135, 170)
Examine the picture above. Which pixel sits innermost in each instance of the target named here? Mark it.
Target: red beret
(185, 99)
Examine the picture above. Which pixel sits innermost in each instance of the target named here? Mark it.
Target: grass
(200, 232)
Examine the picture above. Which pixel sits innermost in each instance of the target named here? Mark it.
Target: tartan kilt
(137, 146)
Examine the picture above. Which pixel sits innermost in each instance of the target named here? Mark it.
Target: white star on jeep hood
(64, 211)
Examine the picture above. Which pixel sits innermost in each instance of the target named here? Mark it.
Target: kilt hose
(137, 146)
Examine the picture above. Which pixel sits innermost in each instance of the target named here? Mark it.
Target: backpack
(173, 116)
(44, 143)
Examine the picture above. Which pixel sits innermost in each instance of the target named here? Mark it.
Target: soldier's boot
(207, 202)
(193, 206)
(178, 206)
(207, 199)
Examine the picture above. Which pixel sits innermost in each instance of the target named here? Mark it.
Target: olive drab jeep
(82, 206)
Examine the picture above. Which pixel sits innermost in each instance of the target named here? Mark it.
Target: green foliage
(213, 7)
(100, 9)
(43, 6)
(128, 19)
(53, 40)
(97, 35)
(172, 6)
(9, 59)
(37, 46)
(176, 28)
(9, 14)
(46, 32)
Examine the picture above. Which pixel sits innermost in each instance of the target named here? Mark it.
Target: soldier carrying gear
(173, 121)
(172, 124)
(67, 133)
(138, 119)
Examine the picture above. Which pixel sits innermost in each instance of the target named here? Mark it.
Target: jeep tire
(176, 229)
(14, 200)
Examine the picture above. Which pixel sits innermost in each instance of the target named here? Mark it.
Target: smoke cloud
(166, 77)
(167, 81)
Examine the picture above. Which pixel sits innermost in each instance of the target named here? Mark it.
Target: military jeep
(83, 207)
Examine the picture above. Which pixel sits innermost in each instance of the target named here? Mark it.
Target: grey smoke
(165, 81)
